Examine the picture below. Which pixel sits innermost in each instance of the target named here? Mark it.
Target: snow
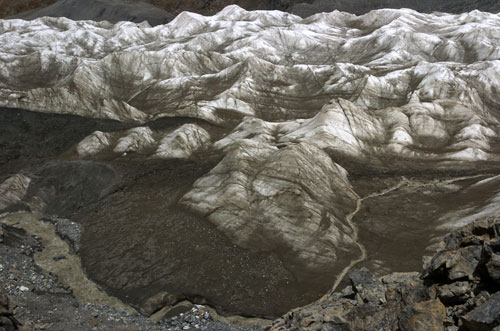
(396, 78)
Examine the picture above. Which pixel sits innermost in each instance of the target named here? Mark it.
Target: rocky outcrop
(459, 289)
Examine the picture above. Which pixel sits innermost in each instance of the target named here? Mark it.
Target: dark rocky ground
(136, 241)
(98, 10)
(162, 11)
(121, 217)
(33, 299)
(459, 289)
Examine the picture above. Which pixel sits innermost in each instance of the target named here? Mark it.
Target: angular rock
(493, 267)
(486, 316)
(157, 302)
(367, 287)
(455, 292)
(425, 316)
(7, 320)
(467, 263)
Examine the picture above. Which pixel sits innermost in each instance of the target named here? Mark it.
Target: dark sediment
(458, 290)
(139, 242)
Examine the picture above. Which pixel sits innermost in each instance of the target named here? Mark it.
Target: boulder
(486, 316)
(157, 302)
(425, 316)
(7, 320)
(455, 292)
(367, 287)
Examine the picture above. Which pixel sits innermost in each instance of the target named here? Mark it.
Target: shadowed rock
(431, 301)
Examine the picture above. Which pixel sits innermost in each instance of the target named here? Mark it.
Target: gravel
(42, 303)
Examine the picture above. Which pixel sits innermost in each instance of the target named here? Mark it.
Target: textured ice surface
(299, 102)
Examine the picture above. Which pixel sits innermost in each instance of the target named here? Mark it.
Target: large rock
(486, 316)
(7, 320)
(428, 315)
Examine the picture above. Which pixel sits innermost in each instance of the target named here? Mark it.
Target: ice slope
(302, 103)
(427, 82)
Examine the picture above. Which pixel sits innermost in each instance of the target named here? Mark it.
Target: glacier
(300, 113)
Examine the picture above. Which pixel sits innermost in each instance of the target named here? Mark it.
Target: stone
(4, 303)
(467, 263)
(366, 286)
(157, 302)
(7, 320)
(425, 316)
(455, 293)
(454, 264)
(486, 316)
(6, 324)
(493, 267)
